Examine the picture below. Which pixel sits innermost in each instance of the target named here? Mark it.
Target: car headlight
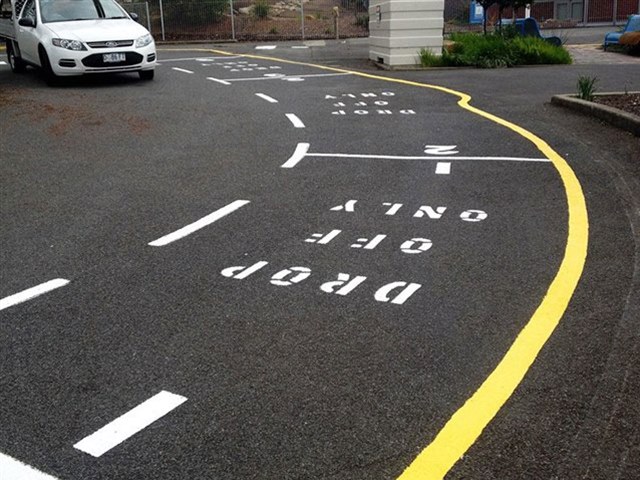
(144, 41)
(69, 44)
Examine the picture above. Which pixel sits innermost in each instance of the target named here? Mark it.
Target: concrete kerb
(614, 116)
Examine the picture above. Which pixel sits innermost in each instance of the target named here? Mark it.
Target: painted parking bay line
(266, 97)
(32, 292)
(293, 118)
(127, 425)
(10, 468)
(203, 222)
(467, 423)
(442, 167)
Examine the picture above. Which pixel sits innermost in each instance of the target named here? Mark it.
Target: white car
(76, 37)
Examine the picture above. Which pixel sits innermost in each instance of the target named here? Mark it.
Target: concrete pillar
(399, 29)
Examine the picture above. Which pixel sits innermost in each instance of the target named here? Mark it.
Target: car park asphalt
(311, 175)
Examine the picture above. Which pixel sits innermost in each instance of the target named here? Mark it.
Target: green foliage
(429, 59)
(274, 31)
(501, 50)
(586, 87)
(535, 51)
(483, 51)
(261, 9)
(362, 21)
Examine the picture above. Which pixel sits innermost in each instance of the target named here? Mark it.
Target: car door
(27, 37)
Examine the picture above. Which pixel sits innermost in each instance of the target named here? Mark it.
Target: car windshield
(66, 10)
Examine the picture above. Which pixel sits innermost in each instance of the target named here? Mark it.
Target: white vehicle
(75, 37)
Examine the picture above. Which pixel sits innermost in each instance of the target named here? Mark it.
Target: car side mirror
(27, 22)
(134, 16)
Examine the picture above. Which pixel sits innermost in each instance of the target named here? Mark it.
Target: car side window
(29, 10)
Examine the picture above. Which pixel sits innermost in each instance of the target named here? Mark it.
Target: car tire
(49, 75)
(146, 74)
(16, 63)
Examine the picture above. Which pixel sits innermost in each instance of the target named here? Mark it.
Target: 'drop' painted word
(396, 293)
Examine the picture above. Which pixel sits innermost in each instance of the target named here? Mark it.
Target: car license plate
(113, 57)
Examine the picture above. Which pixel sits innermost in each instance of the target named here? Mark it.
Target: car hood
(100, 30)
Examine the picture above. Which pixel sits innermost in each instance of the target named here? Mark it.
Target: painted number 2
(440, 149)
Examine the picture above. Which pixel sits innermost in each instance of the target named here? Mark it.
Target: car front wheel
(49, 75)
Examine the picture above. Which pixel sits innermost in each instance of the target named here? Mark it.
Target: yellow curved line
(468, 422)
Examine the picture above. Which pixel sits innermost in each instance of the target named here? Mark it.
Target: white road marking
(2, 63)
(279, 76)
(181, 70)
(293, 118)
(223, 82)
(197, 59)
(299, 154)
(129, 424)
(203, 222)
(443, 168)
(10, 468)
(400, 157)
(266, 97)
(32, 292)
(301, 47)
(266, 47)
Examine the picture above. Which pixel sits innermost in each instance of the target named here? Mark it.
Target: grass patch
(495, 51)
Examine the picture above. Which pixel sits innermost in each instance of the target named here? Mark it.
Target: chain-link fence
(184, 20)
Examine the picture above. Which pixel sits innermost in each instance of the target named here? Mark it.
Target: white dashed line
(293, 118)
(129, 424)
(299, 154)
(300, 47)
(223, 82)
(12, 468)
(2, 63)
(266, 47)
(181, 70)
(32, 292)
(443, 168)
(203, 222)
(266, 97)
(280, 76)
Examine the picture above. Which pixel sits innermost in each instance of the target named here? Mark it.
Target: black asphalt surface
(292, 382)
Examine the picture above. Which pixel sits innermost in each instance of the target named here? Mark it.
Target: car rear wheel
(49, 75)
(146, 74)
(15, 62)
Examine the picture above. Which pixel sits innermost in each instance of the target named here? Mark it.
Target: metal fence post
(233, 22)
(162, 20)
(146, 6)
(302, 16)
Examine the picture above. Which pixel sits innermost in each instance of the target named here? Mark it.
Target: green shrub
(501, 50)
(535, 51)
(261, 9)
(586, 87)
(429, 59)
